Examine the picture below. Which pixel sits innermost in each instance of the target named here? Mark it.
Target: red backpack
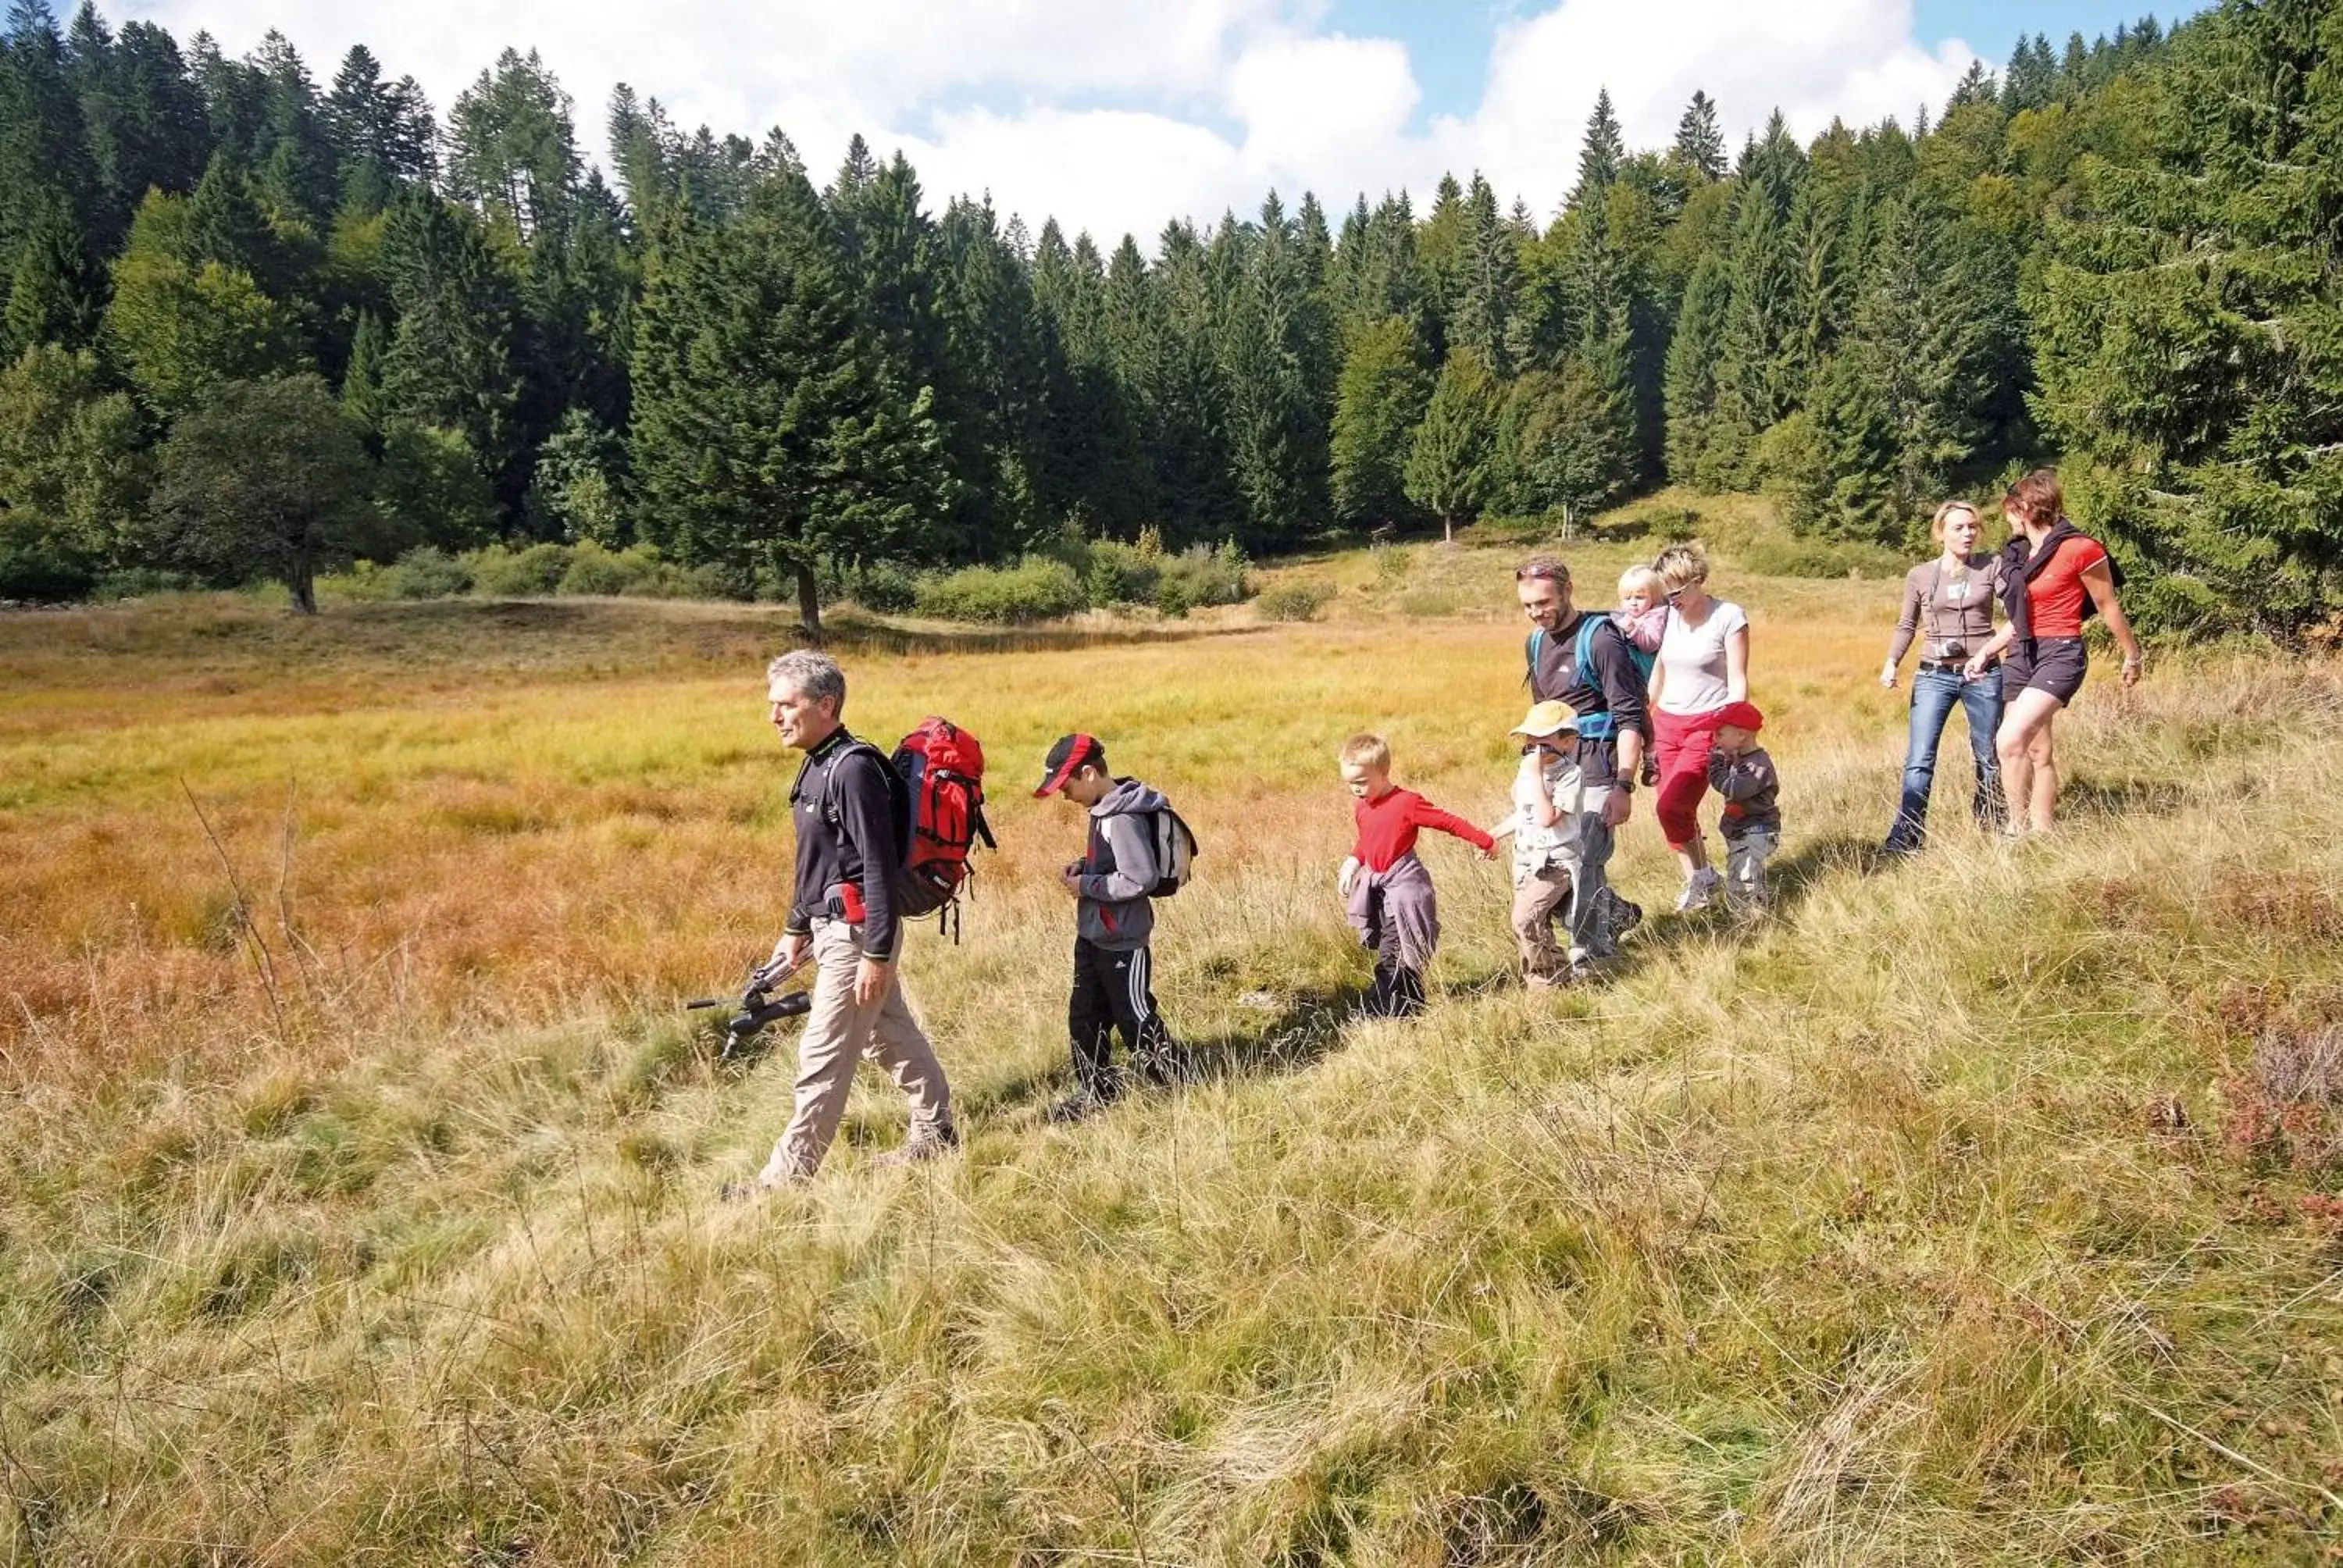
(937, 777)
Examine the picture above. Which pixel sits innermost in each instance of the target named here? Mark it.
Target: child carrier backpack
(937, 778)
(1175, 849)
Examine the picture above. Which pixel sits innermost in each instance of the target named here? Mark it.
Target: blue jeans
(1935, 694)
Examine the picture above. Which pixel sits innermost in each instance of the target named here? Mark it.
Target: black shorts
(2051, 664)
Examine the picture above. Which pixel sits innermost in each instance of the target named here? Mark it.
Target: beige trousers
(838, 1034)
(1538, 898)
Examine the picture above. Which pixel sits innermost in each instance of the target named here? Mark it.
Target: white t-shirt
(1536, 847)
(1693, 657)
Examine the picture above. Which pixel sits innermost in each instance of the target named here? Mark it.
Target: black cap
(1072, 753)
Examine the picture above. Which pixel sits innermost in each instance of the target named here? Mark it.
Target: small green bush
(1429, 603)
(1207, 576)
(1036, 589)
(425, 572)
(1392, 563)
(596, 570)
(501, 572)
(1121, 573)
(884, 586)
(1298, 598)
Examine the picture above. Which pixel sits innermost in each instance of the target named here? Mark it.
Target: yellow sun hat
(1547, 718)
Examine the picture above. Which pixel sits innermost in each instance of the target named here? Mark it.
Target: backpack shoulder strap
(1534, 647)
(1588, 624)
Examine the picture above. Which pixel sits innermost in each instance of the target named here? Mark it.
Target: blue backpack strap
(1535, 647)
(1590, 725)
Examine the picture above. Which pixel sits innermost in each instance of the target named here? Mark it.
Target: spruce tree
(765, 433)
(1691, 376)
(1451, 470)
(451, 363)
(1379, 401)
(1700, 141)
(1488, 281)
(1600, 153)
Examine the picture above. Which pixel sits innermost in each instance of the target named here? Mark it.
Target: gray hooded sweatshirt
(1118, 868)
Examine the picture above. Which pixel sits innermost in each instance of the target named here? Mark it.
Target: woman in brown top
(1949, 606)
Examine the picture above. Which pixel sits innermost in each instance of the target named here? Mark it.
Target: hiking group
(1654, 694)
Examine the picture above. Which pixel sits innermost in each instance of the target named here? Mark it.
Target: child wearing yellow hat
(1545, 830)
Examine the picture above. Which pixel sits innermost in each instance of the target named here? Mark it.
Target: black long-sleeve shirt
(847, 838)
(1751, 789)
(1616, 686)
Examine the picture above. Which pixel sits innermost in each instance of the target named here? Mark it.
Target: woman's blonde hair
(1937, 523)
(1368, 752)
(1681, 564)
(1644, 578)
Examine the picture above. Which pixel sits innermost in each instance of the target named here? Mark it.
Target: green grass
(363, 1210)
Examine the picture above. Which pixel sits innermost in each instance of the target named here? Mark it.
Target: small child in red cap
(1743, 777)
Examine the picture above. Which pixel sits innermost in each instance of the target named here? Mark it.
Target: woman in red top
(2052, 574)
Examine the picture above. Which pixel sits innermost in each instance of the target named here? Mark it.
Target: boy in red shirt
(1385, 888)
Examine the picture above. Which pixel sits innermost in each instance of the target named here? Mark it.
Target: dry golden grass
(358, 1201)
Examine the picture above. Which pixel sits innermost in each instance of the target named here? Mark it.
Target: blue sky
(1116, 115)
(1450, 43)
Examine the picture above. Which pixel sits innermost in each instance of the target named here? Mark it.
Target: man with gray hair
(849, 813)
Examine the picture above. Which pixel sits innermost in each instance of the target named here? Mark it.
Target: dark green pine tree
(1186, 398)
(144, 121)
(1378, 403)
(383, 135)
(55, 295)
(993, 404)
(450, 364)
(1700, 142)
(2030, 81)
(2184, 338)
(767, 436)
(1758, 375)
(1691, 375)
(292, 159)
(1488, 283)
(1452, 469)
(362, 394)
(1600, 153)
(1442, 248)
(225, 224)
(512, 148)
(1275, 343)
(43, 153)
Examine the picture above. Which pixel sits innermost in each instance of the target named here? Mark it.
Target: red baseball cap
(1741, 716)
(1068, 756)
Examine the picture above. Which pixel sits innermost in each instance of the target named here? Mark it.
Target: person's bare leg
(2042, 752)
(2028, 717)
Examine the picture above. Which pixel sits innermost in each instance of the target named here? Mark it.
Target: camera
(1948, 652)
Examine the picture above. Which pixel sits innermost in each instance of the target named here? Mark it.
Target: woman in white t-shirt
(1704, 666)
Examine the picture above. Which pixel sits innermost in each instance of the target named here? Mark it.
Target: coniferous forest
(257, 326)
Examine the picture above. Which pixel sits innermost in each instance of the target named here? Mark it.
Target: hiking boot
(923, 1145)
(1700, 891)
(752, 1190)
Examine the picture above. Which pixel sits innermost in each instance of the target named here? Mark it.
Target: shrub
(1298, 598)
(1429, 603)
(424, 572)
(1036, 589)
(882, 586)
(501, 572)
(1122, 573)
(1207, 576)
(596, 570)
(1392, 563)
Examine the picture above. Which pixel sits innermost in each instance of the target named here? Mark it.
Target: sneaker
(1080, 1106)
(1615, 917)
(1700, 891)
(921, 1147)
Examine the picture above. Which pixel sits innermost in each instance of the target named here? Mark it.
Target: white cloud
(1116, 115)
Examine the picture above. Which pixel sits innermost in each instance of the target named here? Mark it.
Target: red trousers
(1681, 743)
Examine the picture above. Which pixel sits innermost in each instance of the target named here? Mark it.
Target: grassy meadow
(359, 1195)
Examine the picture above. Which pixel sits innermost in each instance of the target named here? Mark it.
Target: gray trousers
(1588, 938)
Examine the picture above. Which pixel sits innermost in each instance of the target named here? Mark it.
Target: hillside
(360, 1170)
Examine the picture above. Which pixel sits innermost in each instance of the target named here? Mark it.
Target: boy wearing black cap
(1744, 776)
(1115, 918)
